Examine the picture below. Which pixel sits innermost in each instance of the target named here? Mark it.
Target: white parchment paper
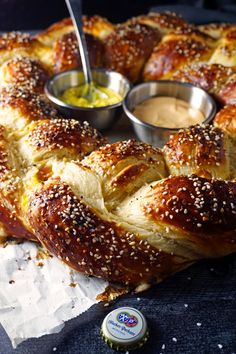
(39, 293)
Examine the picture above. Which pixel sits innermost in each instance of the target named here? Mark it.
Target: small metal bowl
(99, 117)
(158, 136)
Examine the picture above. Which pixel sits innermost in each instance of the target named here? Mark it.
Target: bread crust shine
(127, 212)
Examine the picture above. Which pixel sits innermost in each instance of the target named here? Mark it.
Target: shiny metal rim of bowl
(129, 110)
(48, 88)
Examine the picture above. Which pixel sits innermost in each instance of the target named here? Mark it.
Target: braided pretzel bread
(24, 72)
(176, 50)
(66, 53)
(113, 211)
(217, 79)
(13, 44)
(215, 30)
(97, 26)
(148, 47)
(128, 48)
(225, 52)
(75, 206)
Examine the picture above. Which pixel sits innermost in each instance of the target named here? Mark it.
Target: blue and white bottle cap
(125, 329)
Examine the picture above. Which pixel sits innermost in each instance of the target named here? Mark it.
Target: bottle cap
(125, 329)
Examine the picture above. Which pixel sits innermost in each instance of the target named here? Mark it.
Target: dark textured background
(209, 289)
(37, 14)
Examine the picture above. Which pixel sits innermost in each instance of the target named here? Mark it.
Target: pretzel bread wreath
(126, 212)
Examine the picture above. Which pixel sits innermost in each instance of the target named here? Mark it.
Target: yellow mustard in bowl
(74, 96)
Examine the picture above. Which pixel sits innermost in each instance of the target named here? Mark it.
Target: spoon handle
(75, 10)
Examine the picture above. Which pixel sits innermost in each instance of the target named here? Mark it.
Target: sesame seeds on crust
(86, 236)
(128, 47)
(66, 52)
(226, 119)
(24, 71)
(30, 104)
(164, 22)
(12, 40)
(194, 204)
(83, 239)
(209, 77)
(65, 133)
(199, 147)
(97, 26)
(123, 149)
(169, 56)
(108, 157)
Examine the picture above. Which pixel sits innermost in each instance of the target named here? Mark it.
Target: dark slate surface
(209, 290)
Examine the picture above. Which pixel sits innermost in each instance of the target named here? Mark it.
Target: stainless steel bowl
(102, 117)
(158, 136)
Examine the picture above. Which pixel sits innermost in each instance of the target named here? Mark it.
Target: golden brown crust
(123, 167)
(164, 22)
(13, 40)
(214, 30)
(192, 32)
(200, 150)
(198, 205)
(55, 31)
(170, 55)
(112, 154)
(31, 105)
(128, 48)
(11, 187)
(227, 93)
(112, 214)
(69, 137)
(81, 238)
(230, 33)
(66, 52)
(23, 71)
(12, 224)
(226, 120)
(14, 44)
(4, 168)
(209, 77)
(225, 52)
(97, 26)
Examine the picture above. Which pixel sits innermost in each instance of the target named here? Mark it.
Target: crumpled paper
(38, 293)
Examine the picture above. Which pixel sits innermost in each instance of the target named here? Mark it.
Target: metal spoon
(91, 92)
